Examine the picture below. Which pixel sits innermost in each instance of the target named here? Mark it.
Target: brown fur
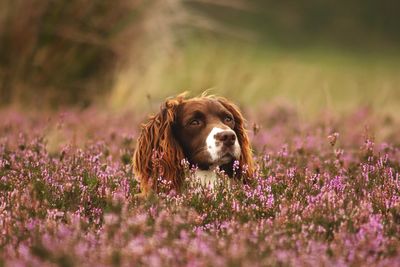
(159, 154)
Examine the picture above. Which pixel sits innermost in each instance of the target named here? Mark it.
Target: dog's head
(208, 131)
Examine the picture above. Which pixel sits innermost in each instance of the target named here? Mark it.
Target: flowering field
(326, 192)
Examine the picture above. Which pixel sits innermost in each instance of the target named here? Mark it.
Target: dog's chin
(225, 159)
(206, 163)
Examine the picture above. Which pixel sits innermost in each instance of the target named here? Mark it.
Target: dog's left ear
(157, 152)
(246, 160)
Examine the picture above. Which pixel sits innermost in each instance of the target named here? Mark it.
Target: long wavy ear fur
(246, 160)
(157, 152)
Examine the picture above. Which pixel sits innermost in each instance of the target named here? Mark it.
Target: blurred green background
(131, 54)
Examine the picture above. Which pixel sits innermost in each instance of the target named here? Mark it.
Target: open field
(326, 193)
(63, 53)
(311, 80)
(319, 84)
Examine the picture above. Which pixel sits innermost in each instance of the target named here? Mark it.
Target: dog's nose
(228, 138)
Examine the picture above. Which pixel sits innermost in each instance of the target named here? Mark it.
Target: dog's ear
(157, 153)
(246, 159)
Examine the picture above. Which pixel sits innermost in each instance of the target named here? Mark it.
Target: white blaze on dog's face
(222, 145)
(206, 132)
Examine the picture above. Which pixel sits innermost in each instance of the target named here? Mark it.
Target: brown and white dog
(207, 131)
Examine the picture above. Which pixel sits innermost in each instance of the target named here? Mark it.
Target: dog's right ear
(158, 154)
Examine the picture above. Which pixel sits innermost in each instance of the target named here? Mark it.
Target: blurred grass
(312, 79)
(62, 52)
(131, 54)
(354, 24)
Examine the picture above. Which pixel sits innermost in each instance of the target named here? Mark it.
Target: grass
(310, 79)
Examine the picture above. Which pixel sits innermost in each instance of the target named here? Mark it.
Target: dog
(206, 131)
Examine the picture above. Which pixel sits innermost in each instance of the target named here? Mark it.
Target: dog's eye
(194, 122)
(228, 119)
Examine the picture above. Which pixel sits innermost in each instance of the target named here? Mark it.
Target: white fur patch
(210, 178)
(211, 143)
(237, 150)
(214, 149)
(207, 178)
